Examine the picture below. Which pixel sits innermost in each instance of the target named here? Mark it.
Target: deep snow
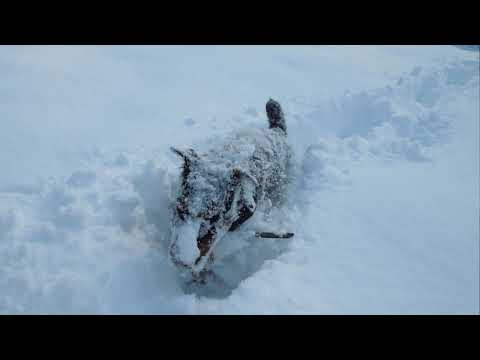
(385, 202)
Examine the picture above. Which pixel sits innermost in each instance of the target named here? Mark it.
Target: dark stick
(270, 235)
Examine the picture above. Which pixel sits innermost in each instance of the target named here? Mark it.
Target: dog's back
(262, 154)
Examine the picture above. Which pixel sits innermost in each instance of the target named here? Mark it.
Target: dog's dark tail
(276, 119)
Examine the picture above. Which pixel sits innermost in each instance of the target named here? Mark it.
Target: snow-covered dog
(221, 189)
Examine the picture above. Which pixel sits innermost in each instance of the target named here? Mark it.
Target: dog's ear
(187, 155)
(238, 174)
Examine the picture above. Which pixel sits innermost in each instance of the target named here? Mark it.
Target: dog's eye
(182, 208)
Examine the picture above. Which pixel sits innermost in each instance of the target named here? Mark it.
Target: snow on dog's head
(200, 204)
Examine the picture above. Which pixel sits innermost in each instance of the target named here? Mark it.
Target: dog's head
(206, 196)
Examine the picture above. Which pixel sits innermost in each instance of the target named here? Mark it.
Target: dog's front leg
(244, 201)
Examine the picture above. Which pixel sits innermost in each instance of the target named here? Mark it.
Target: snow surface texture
(384, 206)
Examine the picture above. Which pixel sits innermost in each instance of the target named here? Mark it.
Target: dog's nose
(186, 249)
